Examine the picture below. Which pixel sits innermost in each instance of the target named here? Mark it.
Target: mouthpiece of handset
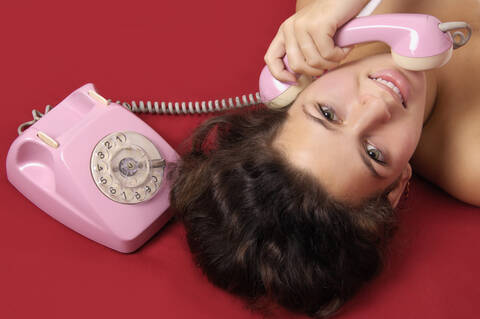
(422, 63)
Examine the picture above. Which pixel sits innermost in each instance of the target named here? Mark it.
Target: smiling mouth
(391, 87)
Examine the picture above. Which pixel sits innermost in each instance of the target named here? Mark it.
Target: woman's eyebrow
(328, 126)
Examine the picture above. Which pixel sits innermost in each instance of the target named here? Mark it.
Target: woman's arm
(307, 38)
(355, 5)
(303, 3)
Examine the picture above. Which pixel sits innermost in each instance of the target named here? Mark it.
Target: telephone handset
(417, 42)
(97, 168)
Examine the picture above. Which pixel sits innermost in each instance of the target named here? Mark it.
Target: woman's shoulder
(449, 150)
(445, 10)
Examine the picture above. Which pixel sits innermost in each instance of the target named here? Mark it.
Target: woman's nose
(371, 111)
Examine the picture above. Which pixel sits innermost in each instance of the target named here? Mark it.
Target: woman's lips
(394, 95)
(397, 78)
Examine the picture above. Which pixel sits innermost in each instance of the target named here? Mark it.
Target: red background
(180, 50)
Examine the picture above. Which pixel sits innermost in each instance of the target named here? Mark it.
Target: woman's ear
(396, 193)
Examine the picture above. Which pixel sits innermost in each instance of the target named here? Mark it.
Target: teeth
(390, 85)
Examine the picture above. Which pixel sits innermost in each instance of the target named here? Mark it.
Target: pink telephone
(417, 42)
(97, 168)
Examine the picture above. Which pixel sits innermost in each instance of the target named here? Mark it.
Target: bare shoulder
(449, 150)
(445, 10)
(448, 155)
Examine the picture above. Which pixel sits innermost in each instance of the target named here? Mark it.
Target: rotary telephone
(95, 167)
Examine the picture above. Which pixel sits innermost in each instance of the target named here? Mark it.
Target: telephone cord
(170, 108)
(191, 107)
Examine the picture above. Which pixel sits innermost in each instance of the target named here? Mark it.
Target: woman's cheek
(411, 143)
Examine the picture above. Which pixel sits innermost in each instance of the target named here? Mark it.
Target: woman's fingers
(296, 58)
(313, 55)
(326, 46)
(273, 58)
(308, 52)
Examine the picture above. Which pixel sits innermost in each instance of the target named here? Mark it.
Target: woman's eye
(329, 113)
(374, 153)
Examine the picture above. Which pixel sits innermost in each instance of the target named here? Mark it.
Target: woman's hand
(307, 38)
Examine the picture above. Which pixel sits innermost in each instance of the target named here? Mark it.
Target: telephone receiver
(418, 42)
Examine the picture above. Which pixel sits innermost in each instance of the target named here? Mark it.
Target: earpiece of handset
(417, 43)
(277, 94)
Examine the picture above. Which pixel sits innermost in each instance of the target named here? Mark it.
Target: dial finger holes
(127, 167)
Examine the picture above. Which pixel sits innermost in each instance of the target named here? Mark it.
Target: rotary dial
(127, 167)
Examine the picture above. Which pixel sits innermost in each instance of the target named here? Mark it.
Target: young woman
(446, 153)
(296, 206)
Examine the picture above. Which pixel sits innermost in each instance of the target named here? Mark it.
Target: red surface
(177, 50)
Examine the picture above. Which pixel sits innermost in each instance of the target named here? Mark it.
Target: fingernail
(292, 82)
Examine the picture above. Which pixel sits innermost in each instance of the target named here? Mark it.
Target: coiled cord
(36, 116)
(459, 38)
(192, 107)
(174, 108)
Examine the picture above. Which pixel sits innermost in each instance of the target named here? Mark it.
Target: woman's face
(353, 132)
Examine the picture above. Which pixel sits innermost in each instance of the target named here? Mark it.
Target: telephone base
(60, 165)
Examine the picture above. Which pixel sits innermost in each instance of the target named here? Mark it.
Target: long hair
(266, 231)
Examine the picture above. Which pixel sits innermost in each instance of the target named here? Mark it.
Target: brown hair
(264, 230)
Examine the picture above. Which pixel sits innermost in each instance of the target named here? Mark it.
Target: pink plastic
(59, 181)
(408, 35)
(270, 87)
